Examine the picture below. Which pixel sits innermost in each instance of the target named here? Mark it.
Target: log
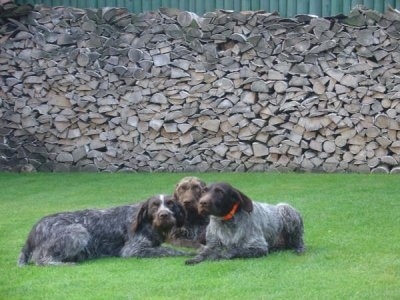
(170, 90)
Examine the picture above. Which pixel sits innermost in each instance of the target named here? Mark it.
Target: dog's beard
(164, 225)
(204, 211)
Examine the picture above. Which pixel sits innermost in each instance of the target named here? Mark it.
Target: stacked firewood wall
(107, 90)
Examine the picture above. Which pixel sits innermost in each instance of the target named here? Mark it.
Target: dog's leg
(297, 237)
(144, 248)
(213, 250)
(208, 252)
(185, 243)
(160, 252)
(248, 252)
(66, 246)
(216, 253)
(296, 241)
(204, 254)
(182, 237)
(293, 228)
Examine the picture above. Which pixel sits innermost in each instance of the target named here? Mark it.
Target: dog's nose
(203, 202)
(163, 214)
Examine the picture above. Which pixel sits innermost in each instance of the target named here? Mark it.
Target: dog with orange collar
(242, 228)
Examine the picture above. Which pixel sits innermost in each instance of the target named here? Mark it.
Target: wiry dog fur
(192, 234)
(131, 230)
(240, 227)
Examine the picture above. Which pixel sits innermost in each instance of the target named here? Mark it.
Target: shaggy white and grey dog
(243, 228)
(125, 231)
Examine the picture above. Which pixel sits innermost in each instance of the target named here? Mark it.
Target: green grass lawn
(352, 234)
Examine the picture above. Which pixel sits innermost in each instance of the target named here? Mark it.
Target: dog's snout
(164, 214)
(187, 201)
(203, 202)
(204, 206)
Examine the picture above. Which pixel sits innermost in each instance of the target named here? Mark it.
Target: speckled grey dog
(126, 231)
(243, 228)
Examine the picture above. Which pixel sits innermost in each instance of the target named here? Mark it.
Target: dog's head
(162, 212)
(188, 192)
(223, 200)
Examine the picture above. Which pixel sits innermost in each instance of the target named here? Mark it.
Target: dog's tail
(25, 255)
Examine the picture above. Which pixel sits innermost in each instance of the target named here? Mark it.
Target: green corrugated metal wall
(286, 8)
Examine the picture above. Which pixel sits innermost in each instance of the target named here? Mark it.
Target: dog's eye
(170, 203)
(184, 187)
(220, 191)
(155, 204)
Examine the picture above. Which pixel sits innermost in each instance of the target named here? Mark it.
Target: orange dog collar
(230, 214)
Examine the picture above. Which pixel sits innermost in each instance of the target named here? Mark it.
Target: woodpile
(108, 90)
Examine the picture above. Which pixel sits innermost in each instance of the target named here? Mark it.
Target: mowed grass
(352, 234)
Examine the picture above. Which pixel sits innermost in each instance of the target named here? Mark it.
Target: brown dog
(192, 234)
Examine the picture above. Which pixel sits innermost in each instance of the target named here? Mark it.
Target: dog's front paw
(193, 261)
(300, 250)
(188, 253)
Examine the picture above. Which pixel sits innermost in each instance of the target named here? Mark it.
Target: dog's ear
(202, 185)
(176, 190)
(245, 202)
(178, 186)
(179, 214)
(176, 197)
(141, 217)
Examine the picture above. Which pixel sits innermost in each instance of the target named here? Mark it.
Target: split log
(170, 90)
